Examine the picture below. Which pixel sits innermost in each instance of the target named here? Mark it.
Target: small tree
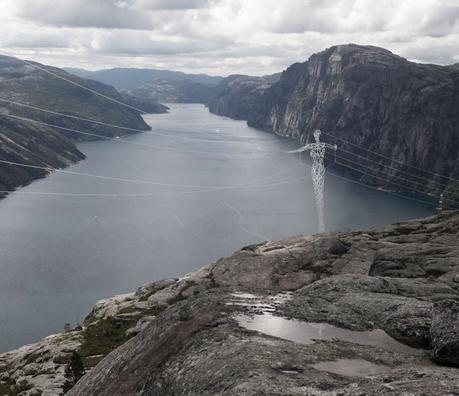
(450, 198)
(73, 371)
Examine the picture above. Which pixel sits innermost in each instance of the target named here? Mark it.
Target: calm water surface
(224, 185)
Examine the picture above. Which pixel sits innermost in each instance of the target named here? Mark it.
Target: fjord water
(67, 241)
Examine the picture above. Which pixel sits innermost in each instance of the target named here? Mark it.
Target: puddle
(244, 295)
(306, 332)
(351, 367)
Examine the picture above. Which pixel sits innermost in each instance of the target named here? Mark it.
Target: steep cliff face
(33, 145)
(372, 98)
(351, 313)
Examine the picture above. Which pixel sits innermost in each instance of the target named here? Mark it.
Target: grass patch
(153, 311)
(103, 336)
(129, 310)
(4, 388)
(11, 389)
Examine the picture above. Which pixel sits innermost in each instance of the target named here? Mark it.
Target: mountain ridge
(34, 144)
(129, 78)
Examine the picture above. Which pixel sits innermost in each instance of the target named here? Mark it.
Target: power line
(114, 125)
(110, 178)
(107, 137)
(123, 141)
(422, 180)
(211, 190)
(389, 158)
(50, 169)
(70, 116)
(204, 140)
(379, 190)
(389, 181)
(129, 180)
(35, 66)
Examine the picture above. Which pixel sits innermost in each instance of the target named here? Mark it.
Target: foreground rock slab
(357, 313)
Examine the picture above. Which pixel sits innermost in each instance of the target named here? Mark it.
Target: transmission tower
(317, 152)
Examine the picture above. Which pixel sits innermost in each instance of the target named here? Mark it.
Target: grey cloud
(137, 43)
(443, 55)
(36, 40)
(170, 4)
(223, 36)
(441, 22)
(84, 13)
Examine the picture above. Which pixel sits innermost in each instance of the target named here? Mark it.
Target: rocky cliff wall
(373, 99)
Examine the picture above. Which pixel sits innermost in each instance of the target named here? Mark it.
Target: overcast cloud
(222, 36)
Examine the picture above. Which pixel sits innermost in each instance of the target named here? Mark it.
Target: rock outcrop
(374, 100)
(310, 315)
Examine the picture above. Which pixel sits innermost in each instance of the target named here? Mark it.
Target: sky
(222, 37)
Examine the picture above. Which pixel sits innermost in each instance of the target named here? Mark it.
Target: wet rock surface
(302, 316)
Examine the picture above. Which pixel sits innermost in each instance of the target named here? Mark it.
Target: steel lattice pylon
(317, 152)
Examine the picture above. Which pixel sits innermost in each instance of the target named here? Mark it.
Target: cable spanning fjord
(414, 182)
(206, 188)
(70, 116)
(161, 184)
(421, 178)
(91, 120)
(389, 158)
(118, 140)
(36, 66)
(384, 179)
(215, 189)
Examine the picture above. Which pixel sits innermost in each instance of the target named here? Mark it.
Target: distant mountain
(130, 78)
(43, 146)
(175, 91)
(369, 97)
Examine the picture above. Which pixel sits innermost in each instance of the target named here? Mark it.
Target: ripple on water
(306, 332)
